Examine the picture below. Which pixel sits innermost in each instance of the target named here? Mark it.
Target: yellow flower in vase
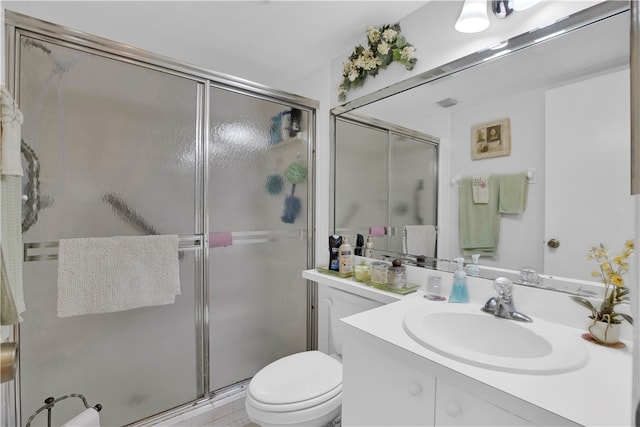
(610, 272)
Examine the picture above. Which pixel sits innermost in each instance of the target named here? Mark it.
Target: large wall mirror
(565, 92)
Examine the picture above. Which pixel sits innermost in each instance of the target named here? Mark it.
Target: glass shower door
(117, 147)
(361, 195)
(258, 180)
(413, 180)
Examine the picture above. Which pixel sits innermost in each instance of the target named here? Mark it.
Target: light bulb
(524, 4)
(473, 17)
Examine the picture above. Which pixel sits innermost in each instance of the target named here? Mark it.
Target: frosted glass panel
(258, 192)
(106, 131)
(414, 185)
(117, 148)
(382, 178)
(136, 363)
(361, 180)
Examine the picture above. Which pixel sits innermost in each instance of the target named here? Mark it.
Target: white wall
(519, 234)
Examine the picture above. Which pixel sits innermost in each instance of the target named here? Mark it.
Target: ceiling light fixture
(473, 17)
(502, 8)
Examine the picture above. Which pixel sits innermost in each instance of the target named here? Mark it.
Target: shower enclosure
(122, 142)
(383, 175)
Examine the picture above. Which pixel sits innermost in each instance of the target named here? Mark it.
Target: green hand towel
(513, 193)
(479, 223)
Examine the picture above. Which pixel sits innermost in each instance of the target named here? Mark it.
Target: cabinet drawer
(379, 390)
(455, 407)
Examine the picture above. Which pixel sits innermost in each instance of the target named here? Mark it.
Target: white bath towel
(480, 189)
(12, 119)
(87, 418)
(104, 275)
(420, 240)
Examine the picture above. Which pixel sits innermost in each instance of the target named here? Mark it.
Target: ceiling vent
(446, 103)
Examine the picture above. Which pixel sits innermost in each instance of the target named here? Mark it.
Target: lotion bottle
(345, 257)
(459, 292)
(368, 247)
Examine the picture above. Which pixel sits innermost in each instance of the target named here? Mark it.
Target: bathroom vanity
(389, 378)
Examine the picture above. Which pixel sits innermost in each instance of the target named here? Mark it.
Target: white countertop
(598, 394)
(357, 288)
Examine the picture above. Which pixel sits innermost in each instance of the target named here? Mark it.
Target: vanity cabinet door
(380, 390)
(455, 407)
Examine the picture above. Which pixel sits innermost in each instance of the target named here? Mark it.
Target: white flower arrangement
(384, 45)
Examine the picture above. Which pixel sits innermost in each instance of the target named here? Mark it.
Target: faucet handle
(503, 286)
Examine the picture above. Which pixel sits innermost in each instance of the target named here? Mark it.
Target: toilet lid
(296, 378)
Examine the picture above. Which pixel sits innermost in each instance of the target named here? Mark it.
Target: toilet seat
(297, 389)
(297, 378)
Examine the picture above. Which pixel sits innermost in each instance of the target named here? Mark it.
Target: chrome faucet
(503, 305)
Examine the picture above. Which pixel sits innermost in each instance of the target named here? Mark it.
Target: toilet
(305, 388)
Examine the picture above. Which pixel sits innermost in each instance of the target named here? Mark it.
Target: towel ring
(50, 402)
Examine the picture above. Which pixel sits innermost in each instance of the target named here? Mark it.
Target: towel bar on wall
(532, 176)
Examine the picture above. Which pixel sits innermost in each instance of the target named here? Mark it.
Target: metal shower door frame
(18, 25)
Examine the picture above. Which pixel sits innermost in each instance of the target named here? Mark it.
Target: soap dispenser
(473, 269)
(459, 292)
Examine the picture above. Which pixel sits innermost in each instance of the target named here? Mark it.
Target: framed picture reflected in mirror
(491, 139)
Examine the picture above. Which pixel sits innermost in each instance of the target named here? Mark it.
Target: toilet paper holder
(49, 403)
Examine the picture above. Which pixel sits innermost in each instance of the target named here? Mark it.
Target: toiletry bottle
(335, 240)
(473, 269)
(459, 292)
(397, 275)
(345, 257)
(359, 244)
(368, 247)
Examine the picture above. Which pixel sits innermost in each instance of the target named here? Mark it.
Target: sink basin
(468, 335)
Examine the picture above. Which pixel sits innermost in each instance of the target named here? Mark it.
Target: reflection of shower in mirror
(351, 213)
(417, 201)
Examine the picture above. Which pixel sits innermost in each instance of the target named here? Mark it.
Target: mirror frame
(563, 26)
(570, 23)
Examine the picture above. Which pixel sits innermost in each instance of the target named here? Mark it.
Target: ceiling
(269, 42)
(544, 65)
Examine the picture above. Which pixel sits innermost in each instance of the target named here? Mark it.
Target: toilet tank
(339, 304)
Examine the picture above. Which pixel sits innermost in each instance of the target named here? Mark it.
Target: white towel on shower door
(104, 275)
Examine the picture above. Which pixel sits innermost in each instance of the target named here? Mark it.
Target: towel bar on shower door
(184, 243)
(43, 251)
(50, 402)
